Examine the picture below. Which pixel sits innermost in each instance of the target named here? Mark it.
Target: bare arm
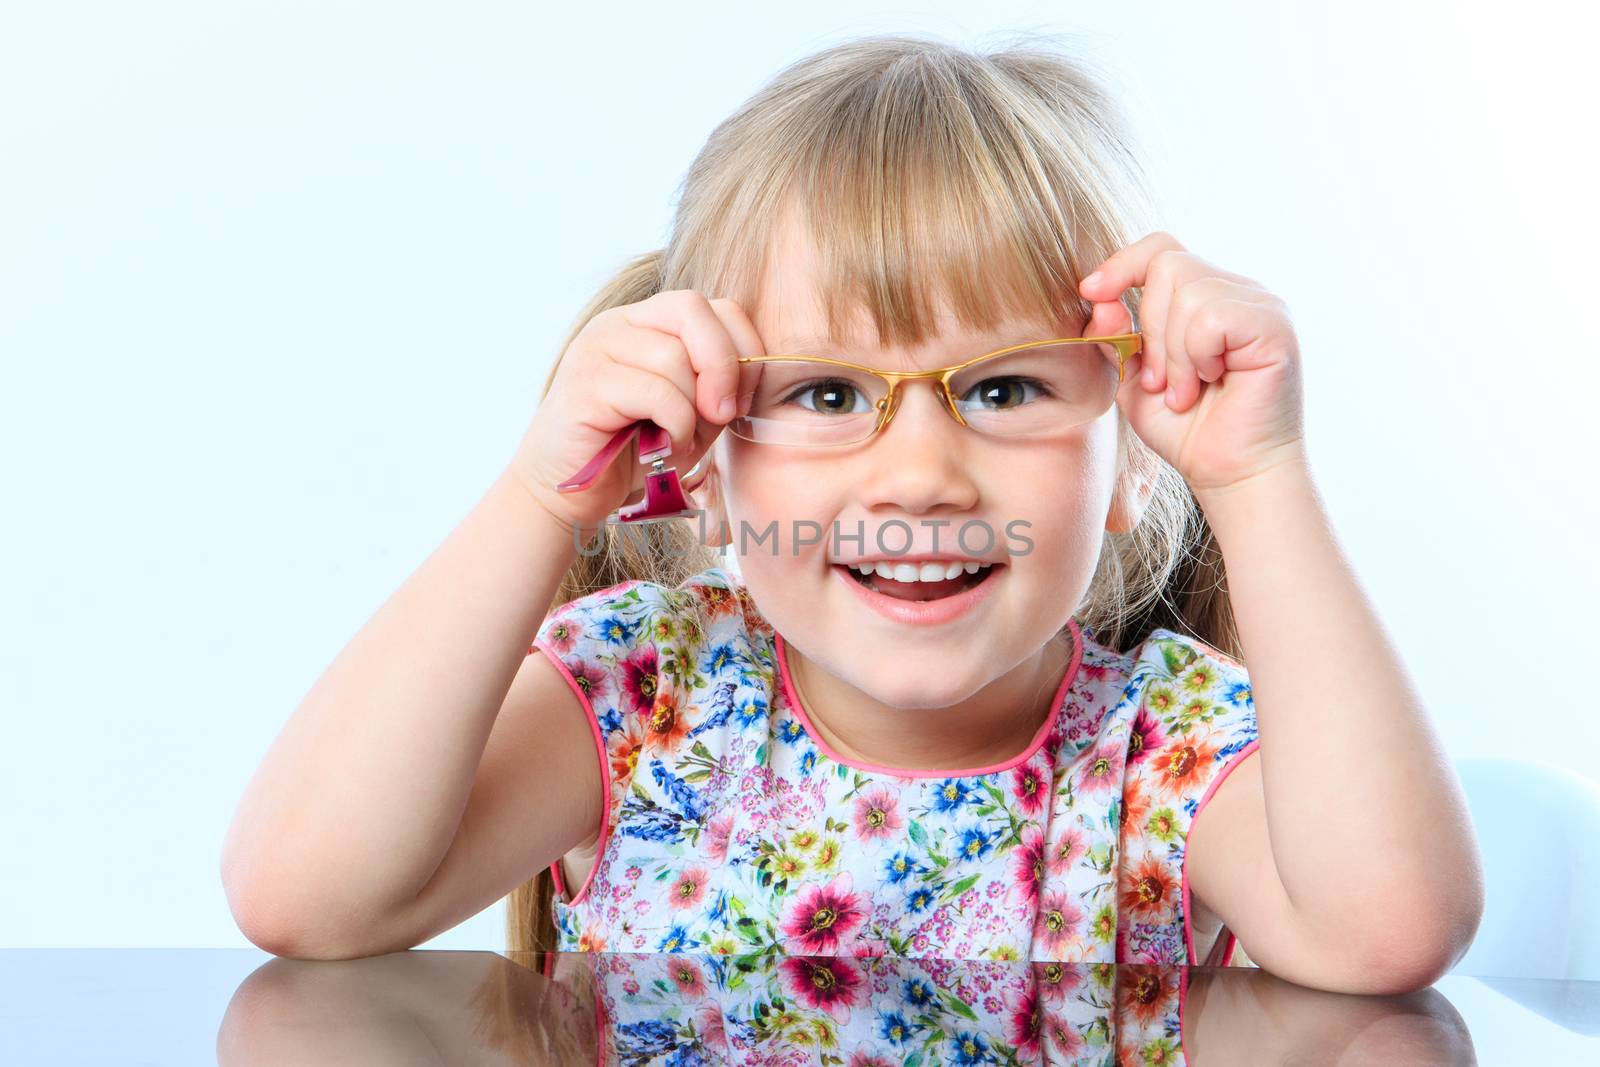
(359, 798)
(1342, 855)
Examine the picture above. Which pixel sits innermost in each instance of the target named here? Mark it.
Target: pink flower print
(877, 814)
(1067, 850)
(1030, 787)
(639, 678)
(828, 983)
(1026, 1019)
(1144, 737)
(1057, 980)
(861, 1059)
(824, 916)
(1102, 768)
(687, 976)
(1062, 1039)
(709, 1021)
(688, 889)
(593, 681)
(1057, 923)
(1027, 864)
(563, 634)
(717, 831)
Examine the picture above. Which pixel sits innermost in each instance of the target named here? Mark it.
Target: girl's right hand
(671, 358)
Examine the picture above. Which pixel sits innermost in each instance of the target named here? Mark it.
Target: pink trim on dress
(1225, 937)
(605, 776)
(910, 772)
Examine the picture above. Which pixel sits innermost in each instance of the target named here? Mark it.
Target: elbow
(1426, 944)
(276, 922)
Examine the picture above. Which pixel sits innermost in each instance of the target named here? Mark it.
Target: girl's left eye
(1002, 393)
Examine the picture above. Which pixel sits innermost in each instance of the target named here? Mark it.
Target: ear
(707, 494)
(1128, 502)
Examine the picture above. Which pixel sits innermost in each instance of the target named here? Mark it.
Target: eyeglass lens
(1033, 392)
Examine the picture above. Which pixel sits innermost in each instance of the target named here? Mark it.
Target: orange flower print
(1146, 994)
(1135, 803)
(591, 940)
(716, 601)
(623, 748)
(665, 727)
(1184, 765)
(1149, 892)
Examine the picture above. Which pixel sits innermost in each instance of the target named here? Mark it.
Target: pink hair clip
(664, 495)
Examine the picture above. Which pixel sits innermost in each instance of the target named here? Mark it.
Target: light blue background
(279, 285)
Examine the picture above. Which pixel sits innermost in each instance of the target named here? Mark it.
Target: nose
(918, 462)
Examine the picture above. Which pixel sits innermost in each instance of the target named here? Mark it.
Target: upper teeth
(931, 571)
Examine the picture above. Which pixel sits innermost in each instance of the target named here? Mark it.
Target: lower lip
(922, 612)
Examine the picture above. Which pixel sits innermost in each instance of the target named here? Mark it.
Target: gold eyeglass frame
(1127, 345)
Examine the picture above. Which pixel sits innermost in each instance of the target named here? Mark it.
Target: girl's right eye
(832, 397)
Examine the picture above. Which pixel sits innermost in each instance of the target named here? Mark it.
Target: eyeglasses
(1035, 390)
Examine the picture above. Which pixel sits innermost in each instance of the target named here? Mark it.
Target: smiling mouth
(920, 591)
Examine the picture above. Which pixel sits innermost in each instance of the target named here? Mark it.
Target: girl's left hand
(1216, 391)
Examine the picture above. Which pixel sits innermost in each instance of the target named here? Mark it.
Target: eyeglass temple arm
(664, 492)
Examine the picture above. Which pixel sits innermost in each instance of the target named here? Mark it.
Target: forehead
(789, 314)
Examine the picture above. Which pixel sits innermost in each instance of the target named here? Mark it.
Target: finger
(1189, 367)
(1127, 267)
(651, 350)
(1227, 325)
(1108, 320)
(640, 394)
(748, 341)
(687, 315)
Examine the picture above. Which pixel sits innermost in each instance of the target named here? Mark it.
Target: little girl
(976, 675)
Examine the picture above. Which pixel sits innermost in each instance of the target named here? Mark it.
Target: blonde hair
(918, 168)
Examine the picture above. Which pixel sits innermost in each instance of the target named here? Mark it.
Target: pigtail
(662, 552)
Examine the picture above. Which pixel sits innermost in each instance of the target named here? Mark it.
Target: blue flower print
(618, 631)
(918, 992)
(952, 793)
(900, 865)
(968, 1048)
(790, 731)
(676, 940)
(808, 761)
(975, 844)
(921, 898)
(751, 713)
(893, 1027)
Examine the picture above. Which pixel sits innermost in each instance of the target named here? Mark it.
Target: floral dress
(730, 827)
(690, 1008)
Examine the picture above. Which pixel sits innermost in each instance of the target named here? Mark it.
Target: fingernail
(1150, 378)
(1091, 279)
(725, 412)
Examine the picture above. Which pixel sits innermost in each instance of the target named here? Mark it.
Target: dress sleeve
(1195, 723)
(607, 645)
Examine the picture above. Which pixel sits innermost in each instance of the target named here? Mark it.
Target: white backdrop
(279, 284)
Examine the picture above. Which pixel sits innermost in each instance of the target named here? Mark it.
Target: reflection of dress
(872, 1012)
(730, 826)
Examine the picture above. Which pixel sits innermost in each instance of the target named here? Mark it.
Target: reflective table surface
(227, 1006)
